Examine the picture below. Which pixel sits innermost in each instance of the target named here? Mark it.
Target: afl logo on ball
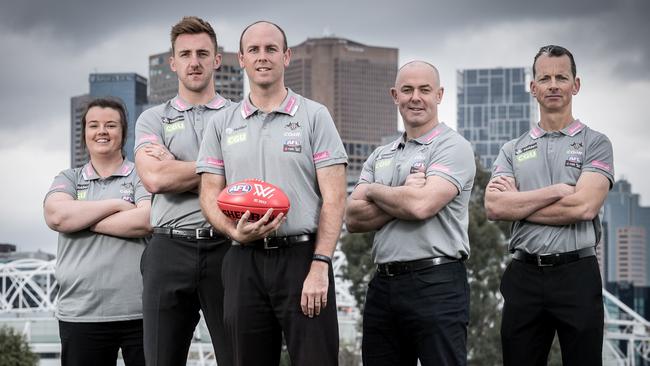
(239, 189)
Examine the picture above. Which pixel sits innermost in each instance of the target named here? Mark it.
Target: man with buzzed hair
(181, 266)
(551, 183)
(415, 192)
(278, 273)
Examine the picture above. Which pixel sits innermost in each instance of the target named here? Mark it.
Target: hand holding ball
(254, 195)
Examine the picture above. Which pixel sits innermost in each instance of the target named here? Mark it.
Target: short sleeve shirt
(539, 159)
(440, 152)
(284, 147)
(99, 275)
(179, 126)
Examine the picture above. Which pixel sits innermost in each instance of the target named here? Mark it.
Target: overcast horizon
(51, 48)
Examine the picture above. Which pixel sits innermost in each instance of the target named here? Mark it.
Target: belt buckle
(268, 244)
(387, 271)
(199, 233)
(539, 261)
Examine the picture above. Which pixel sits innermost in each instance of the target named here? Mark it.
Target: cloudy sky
(50, 47)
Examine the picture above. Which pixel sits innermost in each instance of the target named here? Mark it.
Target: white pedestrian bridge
(28, 299)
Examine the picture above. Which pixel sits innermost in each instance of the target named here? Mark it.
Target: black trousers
(97, 343)
(540, 301)
(262, 301)
(418, 315)
(180, 278)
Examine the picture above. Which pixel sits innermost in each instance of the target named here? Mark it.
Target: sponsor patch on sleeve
(214, 162)
(320, 156)
(601, 165)
(148, 138)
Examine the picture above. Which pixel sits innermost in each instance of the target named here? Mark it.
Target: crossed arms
(162, 173)
(558, 204)
(114, 217)
(372, 205)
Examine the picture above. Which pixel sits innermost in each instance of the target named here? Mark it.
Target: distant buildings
(626, 232)
(8, 254)
(493, 108)
(353, 81)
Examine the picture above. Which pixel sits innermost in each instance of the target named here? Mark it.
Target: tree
(360, 267)
(484, 269)
(15, 349)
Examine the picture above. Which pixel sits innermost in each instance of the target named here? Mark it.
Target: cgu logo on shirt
(174, 124)
(527, 152)
(174, 127)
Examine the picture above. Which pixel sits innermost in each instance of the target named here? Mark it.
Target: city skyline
(53, 49)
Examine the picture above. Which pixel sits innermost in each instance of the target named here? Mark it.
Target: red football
(254, 195)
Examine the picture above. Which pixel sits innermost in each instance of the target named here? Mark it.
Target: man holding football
(278, 273)
(415, 192)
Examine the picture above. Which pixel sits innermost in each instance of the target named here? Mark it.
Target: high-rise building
(163, 82)
(626, 223)
(353, 81)
(493, 108)
(78, 155)
(631, 255)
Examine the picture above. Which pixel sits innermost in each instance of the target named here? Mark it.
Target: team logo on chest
(292, 125)
(575, 148)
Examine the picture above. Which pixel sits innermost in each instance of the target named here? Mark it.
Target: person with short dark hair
(414, 192)
(278, 273)
(181, 268)
(551, 183)
(101, 211)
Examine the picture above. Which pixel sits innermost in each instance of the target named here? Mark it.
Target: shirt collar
(428, 137)
(89, 173)
(289, 106)
(574, 128)
(571, 130)
(181, 105)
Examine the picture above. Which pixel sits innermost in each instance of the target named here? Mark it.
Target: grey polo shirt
(179, 126)
(99, 275)
(284, 147)
(539, 159)
(440, 152)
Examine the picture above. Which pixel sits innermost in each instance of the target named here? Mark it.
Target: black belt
(204, 233)
(277, 242)
(398, 268)
(555, 259)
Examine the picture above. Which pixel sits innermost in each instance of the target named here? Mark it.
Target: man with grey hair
(551, 183)
(415, 193)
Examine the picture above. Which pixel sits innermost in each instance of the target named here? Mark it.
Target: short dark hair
(108, 102)
(555, 51)
(284, 36)
(193, 25)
